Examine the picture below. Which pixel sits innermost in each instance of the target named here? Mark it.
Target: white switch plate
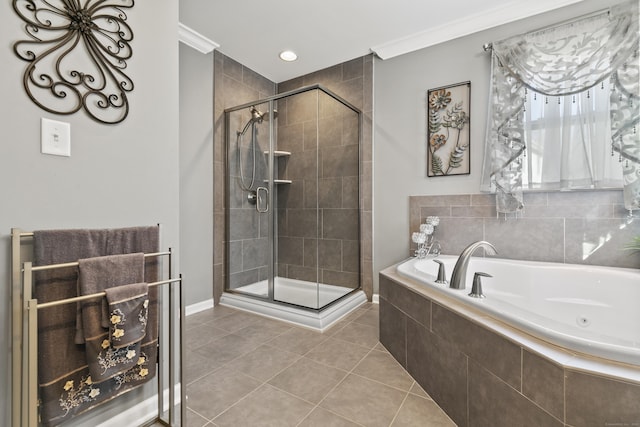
(55, 137)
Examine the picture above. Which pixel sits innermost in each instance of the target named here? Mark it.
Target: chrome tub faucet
(459, 275)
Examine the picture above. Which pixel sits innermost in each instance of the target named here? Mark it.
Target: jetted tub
(588, 309)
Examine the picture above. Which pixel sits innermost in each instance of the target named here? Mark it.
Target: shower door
(248, 211)
(293, 236)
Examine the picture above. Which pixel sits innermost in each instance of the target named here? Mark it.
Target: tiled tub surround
(578, 227)
(483, 372)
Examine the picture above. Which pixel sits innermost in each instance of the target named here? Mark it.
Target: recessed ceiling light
(288, 55)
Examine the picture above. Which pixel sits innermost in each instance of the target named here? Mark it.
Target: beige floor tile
(208, 315)
(308, 380)
(266, 407)
(419, 412)
(198, 318)
(236, 321)
(364, 401)
(419, 391)
(263, 362)
(264, 330)
(230, 355)
(380, 366)
(380, 347)
(201, 334)
(370, 317)
(213, 394)
(364, 335)
(347, 319)
(298, 340)
(197, 366)
(338, 354)
(322, 418)
(195, 420)
(225, 349)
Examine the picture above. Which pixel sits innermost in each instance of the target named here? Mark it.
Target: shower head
(256, 117)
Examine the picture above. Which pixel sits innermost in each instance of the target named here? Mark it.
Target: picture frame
(448, 130)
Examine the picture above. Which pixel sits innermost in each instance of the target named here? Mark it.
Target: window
(568, 141)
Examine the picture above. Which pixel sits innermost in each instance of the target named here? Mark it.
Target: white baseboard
(198, 307)
(375, 298)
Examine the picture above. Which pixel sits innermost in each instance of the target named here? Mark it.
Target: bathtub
(586, 309)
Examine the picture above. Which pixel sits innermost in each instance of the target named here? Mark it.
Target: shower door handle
(262, 201)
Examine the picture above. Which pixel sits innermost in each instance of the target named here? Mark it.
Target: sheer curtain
(570, 92)
(569, 142)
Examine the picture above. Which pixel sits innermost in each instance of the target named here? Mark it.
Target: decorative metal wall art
(77, 53)
(448, 124)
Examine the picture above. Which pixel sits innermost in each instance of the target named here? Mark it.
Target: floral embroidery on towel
(137, 373)
(119, 320)
(73, 397)
(110, 357)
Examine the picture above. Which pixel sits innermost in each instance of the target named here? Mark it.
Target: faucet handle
(442, 277)
(476, 289)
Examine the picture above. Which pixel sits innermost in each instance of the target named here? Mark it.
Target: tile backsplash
(578, 227)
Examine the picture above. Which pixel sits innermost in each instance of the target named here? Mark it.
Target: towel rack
(25, 336)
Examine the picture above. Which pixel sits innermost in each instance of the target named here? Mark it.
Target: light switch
(55, 137)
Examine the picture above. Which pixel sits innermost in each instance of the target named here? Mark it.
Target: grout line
(399, 408)
(200, 415)
(297, 359)
(347, 373)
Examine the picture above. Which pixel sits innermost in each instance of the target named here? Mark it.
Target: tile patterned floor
(243, 370)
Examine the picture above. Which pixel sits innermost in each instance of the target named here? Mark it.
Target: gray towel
(128, 307)
(97, 275)
(66, 387)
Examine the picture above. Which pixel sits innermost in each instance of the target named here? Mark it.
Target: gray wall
(196, 173)
(117, 175)
(400, 89)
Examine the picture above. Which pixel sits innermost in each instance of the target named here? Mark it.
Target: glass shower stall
(293, 198)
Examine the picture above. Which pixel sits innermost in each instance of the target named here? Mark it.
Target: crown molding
(510, 12)
(195, 40)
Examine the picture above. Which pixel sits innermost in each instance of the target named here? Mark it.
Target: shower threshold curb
(316, 320)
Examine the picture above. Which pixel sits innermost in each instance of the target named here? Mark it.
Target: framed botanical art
(448, 124)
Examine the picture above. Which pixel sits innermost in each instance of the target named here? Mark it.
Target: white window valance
(572, 59)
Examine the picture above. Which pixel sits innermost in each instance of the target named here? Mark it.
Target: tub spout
(459, 275)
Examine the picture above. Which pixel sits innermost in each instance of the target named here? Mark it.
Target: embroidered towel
(97, 275)
(66, 387)
(128, 307)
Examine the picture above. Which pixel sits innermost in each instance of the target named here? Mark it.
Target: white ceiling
(327, 32)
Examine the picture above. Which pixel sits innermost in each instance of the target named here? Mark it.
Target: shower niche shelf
(278, 153)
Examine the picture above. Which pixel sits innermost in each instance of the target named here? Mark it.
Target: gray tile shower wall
(235, 84)
(316, 210)
(353, 81)
(581, 227)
